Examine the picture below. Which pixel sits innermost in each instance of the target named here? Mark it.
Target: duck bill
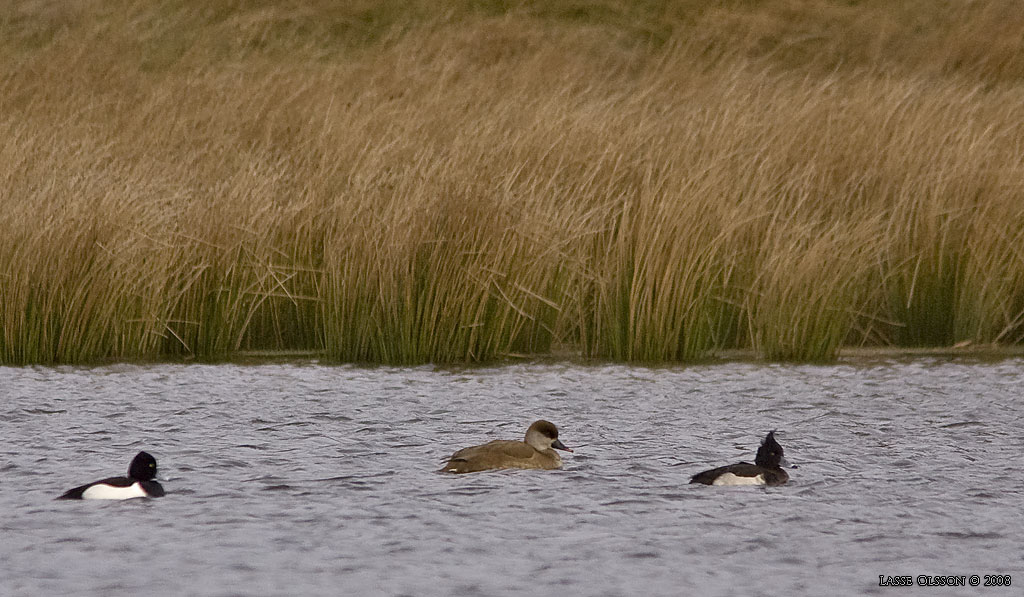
(560, 446)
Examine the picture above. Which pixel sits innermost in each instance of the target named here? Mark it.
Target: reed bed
(461, 181)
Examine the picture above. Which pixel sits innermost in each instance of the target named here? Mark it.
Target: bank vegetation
(454, 181)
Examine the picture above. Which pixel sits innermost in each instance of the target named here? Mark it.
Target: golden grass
(454, 181)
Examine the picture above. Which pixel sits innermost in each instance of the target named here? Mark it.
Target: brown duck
(535, 452)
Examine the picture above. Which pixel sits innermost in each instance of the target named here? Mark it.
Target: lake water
(310, 479)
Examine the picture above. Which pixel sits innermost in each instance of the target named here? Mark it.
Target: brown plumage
(535, 452)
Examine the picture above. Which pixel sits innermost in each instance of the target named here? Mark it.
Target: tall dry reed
(411, 182)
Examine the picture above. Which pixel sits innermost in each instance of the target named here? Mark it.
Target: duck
(139, 483)
(766, 470)
(534, 452)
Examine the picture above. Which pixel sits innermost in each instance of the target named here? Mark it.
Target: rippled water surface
(306, 479)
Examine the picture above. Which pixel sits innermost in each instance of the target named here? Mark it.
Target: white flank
(731, 479)
(109, 492)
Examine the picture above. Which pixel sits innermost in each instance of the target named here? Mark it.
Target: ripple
(308, 479)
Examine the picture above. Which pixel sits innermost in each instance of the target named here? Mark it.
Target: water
(305, 479)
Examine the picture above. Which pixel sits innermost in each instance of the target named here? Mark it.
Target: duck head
(543, 435)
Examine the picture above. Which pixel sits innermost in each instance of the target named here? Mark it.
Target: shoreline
(847, 355)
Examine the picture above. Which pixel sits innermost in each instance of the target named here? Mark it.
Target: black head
(770, 454)
(143, 467)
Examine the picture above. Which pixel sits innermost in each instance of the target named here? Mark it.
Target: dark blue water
(305, 479)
